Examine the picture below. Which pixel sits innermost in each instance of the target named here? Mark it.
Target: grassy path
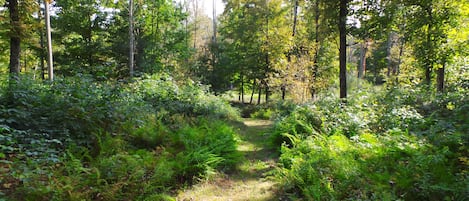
(250, 179)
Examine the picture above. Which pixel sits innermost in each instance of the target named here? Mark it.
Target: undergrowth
(78, 139)
(394, 144)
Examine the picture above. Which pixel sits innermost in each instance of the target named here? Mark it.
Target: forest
(269, 100)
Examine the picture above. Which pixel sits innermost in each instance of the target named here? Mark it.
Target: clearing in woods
(250, 179)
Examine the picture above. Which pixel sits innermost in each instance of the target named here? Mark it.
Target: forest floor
(250, 180)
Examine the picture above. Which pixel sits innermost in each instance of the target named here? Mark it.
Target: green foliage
(92, 37)
(300, 123)
(191, 99)
(263, 113)
(78, 139)
(391, 166)
(213, 138)
(67, 109)
(397, 143)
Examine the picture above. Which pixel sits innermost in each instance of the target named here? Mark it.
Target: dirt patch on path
(250, 181)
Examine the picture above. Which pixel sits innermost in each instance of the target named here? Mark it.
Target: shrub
(78, 139)
(265, 114)
(417, 152)
(368, 167)
(302, 122)
(206, 146)
(66, 109)
(191, 100)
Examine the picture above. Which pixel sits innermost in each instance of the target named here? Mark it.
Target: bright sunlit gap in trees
(207, 6)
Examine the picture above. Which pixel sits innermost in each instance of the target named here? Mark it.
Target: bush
(265, 114)
(301, 123)
(213, 138)
(391, 145)
(65, 110)
(190, 100)
(368, 167)
(78, 139)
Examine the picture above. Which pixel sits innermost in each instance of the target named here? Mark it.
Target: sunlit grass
(250, 180)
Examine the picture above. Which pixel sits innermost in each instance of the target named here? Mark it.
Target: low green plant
(78, 139)
(265, 114)
(368, 167)
(395, 144)
(189, 99)
(302, 122)
(206, 146)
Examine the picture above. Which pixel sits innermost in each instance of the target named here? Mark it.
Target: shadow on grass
(251, 179)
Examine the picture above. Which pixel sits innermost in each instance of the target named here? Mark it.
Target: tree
(429, 22)
(256, 36)
(15, 37)
(81, 37)
(343, 4)
(131, 37)
(89, 37)
(49, 41)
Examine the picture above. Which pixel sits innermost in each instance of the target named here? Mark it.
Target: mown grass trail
(250, 179)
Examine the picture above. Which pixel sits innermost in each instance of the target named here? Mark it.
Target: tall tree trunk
(362, 65)
(41, 44)
(429, 59)
(316, 53)
(214, 22)
(253, 89)
(295, 22)
(260, 93)
(441, 78)
(284, 91)
(343, 48)
(388, 54)
(242, 88)
(89, 40)
(401, 53)
(41, 54)
(131, 38)
(295, 17)
(195, 3)
(15, 37)
(50, 63)
(214, 37)
(267, 59)
(402, 41)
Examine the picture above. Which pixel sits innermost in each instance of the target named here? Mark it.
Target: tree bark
(195, 3)
(267, 58)
(362, 65)
(401, 53)
(429, 60)
(50, 63)
(41, 44)
(260, 93)
(316, 53)
(242, 89)
(295, 17)
(131, 38)
(441, 78)
(284, 91)
(388, 54)
(253, 89)
(343, 48)
(15, 37)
